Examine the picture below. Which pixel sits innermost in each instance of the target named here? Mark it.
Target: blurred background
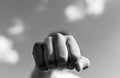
(94, 23)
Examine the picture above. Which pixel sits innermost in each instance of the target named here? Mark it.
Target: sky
(94, 24)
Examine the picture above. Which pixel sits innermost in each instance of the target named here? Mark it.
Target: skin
(58, 51)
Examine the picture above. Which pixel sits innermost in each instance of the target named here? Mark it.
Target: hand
(59, 51)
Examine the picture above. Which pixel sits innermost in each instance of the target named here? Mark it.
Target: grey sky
(98, 37)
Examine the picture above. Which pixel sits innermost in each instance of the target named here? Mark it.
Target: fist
(59, 51)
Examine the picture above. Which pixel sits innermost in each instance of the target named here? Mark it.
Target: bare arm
(40, 74)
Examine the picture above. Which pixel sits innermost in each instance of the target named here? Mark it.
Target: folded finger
(49, 54)
(61, 52)
(74, 52)
(38, 53)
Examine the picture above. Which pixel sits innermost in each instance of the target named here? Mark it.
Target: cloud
(7, 53)
(63, 74)
(42, 5)
(17, 29)
(79, 9)
(95, 7)
(73, 13)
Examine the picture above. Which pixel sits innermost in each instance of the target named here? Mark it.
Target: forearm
(40, 74)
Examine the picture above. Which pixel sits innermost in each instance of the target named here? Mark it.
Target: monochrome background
(23, 22)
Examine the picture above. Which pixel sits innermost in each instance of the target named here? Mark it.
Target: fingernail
(85, 67)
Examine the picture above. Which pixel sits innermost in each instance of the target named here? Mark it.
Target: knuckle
(70, 37)
(61, 32)
(60, 36)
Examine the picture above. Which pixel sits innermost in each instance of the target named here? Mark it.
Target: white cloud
(7, 53)
(18, 27)
(95, 6)
(17, 30)
(42, 5)
(79, 9)
(63, 74)
(74, 13)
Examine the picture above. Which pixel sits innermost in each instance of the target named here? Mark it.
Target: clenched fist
(59, 51)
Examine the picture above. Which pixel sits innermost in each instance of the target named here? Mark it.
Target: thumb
(82, 63)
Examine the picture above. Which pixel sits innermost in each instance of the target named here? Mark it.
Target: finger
(48, 54)
(38, 53)
(61, 51)
(74, 52)
(82, 64)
